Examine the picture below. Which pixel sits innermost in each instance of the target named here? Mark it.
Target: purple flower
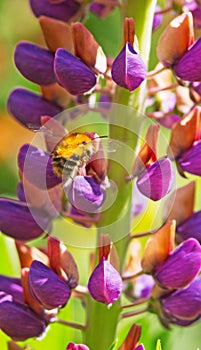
(18, 321)
(47, 287)
(143, 286)
(73, 346)
(28, 107)
(190, 159)
(188, 68)
(36, 166)
(35, 63)
(184, 306)
(181, 266)
(72, 73)
(105, 283)
(85, 194)
(157, 180)
(140, 347)
(191, 227)
(63, 10)
(17, 221)
(128, 69)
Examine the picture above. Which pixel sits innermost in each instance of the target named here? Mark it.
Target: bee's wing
(53, 133)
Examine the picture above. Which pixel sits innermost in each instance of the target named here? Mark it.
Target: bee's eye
(84, 143)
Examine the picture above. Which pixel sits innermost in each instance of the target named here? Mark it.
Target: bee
(72, 153)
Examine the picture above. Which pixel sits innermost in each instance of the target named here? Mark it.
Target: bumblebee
(71, 154)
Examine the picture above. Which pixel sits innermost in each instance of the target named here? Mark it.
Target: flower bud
(62, 10)
(35, 63)
(48, 288)
(176, 39)
(73, 346)
(72, 73)
(105, 283)
(28, 107)
(181, 266)
(128, 69)
(191, 227)
(12, 286)
(190, 160)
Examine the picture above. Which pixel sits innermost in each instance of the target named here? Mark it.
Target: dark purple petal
(105, 283)
(18, 321)
(181, 266)
(190, 160)
(73, 346)
(197, 17)
(197, 87)
(157, 180)
(185, 304)
(85, 194)
(72, 73)
(35, 63)
(63, 11)
(36, 166)
(12, 286)
(188, 67)
(128, 69)
(191, 227)
(28, 107)
(16, 220)
(47, 287)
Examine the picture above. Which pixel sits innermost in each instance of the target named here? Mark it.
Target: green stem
(125, 121)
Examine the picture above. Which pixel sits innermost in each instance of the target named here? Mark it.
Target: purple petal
(157, 180)
(12, 286)
(36, 166)
(18, 321)
(185, 304)
(20, 192)
(16, 220)
(47, 287)
(190, 228)
(35, 63)
(72, 73)
(181, 266)
(85, 194)
(190, 160)
(28, 107)
(197, 17)
(143, 286)
(188, 67)
(169, 120)
(197, 87)
(140, 347)
(128, 69)
(158, 18)
(105, 283)
(63, 11)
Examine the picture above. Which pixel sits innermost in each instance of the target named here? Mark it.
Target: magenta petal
(35, 63)
(157, 180)
(36, 166)
(12, 286)
(140, 347)
(181, 266)
(28, 107)
(190, 160)
(16, 220)
(189, 68)
(128, 69)
(191, 227)
(63, 11)
(185, 304)
(73, 346)
(85, 194)
(18, 321)
(47, 287)
(105, 283)
(72, 73)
